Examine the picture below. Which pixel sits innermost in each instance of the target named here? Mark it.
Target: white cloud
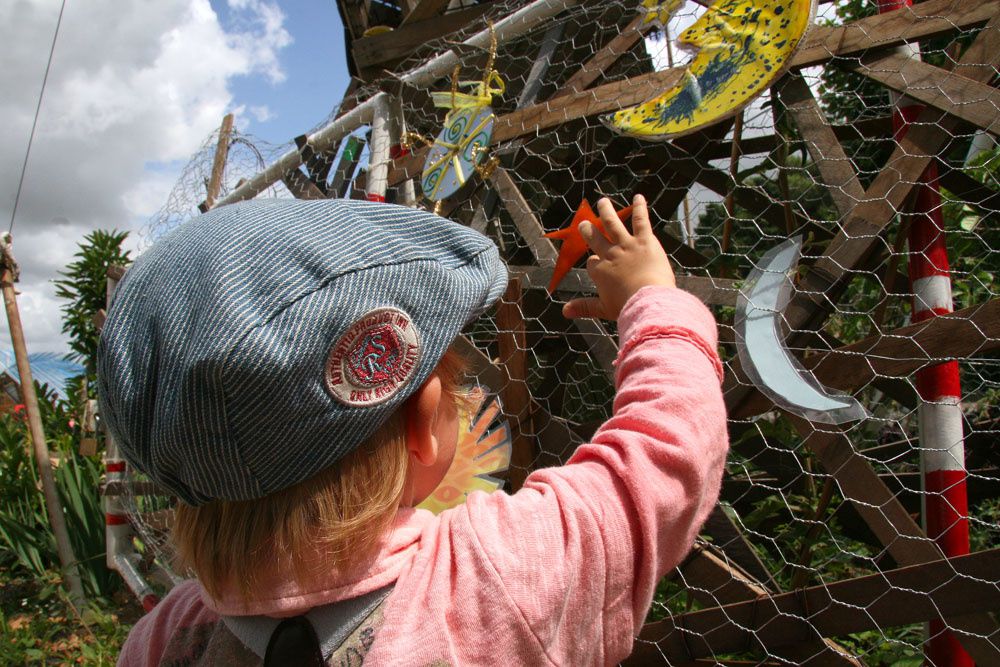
(133, 91)
(261, 113)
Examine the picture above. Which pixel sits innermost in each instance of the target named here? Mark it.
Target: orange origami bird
(573, 246)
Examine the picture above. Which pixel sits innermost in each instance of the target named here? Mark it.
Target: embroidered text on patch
(374, 359)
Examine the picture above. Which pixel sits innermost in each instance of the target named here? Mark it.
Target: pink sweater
(561, 572)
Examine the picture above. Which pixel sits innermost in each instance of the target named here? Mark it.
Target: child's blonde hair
(340, 512)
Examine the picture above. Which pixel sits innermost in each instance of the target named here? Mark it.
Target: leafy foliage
(84, 285)
(27, 546)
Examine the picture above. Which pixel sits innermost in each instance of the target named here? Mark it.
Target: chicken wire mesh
(818, 550)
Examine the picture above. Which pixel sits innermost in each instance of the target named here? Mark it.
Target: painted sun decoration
(741, 47)
(481, 453)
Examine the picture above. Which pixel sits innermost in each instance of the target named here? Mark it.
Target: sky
(133, 91)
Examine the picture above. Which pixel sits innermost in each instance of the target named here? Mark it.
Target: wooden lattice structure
(565, 64)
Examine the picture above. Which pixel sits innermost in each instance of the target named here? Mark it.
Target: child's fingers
(594, 238)
(588, 307)
(640, 216)
(612, 223)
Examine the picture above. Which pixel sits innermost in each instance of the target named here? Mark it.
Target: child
(284, 368)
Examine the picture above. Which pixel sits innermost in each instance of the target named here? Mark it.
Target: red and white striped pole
(118, 532)
(942, 446)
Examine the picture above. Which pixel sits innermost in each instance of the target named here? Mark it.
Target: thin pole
(942, 438)
(219, 163)
(379, 151)
(52, 505)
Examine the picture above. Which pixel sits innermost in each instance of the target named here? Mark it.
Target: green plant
(84, 285)
(26, 542)
(39, 626)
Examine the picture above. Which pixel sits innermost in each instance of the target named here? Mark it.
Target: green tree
(84, 287)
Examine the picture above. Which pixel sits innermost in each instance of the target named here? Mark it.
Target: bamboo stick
(52, 505)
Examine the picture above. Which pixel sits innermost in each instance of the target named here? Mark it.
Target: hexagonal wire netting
(802, 558)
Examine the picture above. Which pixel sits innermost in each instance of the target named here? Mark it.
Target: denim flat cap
(255, 345)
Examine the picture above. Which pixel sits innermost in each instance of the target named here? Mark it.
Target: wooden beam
(424, 10)
(573, 106)
(300, 186)
(948, 588)
(926, 19)
(382, 50)
(514, 391)
(824, 148)
(606, 56)
(712, 291)
(904, 26)
(861, 231)
(218, 163)
(983, 198)
(729, 539)
(949, 91)
(714, 581)
(888, 519)
(905, 541)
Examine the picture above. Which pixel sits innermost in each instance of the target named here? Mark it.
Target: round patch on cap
(374, 359)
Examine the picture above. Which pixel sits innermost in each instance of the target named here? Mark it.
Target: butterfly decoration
(461, 148)
(483, 450)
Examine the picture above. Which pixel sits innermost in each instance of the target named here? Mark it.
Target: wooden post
(52, 505)
(734, 165)
(219, 164)
(514, 393)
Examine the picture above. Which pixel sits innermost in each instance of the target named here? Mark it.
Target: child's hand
(622, 263)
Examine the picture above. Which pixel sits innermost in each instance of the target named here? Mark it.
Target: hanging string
(34, 124)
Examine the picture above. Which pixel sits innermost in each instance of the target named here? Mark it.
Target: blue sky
(315, 68)
(134, 91)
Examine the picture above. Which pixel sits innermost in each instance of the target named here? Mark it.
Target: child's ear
(421, 412)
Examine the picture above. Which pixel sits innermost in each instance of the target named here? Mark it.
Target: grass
(38, 626)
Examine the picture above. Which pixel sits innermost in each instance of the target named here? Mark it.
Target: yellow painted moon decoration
(741, 47)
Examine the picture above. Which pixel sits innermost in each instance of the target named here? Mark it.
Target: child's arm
(580, 549)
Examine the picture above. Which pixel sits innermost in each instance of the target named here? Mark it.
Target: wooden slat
(967, 584)
(712, 291)
(903, 26)
(949, 91)
(831, 160)
(892, 525)
(606, 56)
(381, 50)
(514, 391)
(713, 581)
(300, 186)
(423, 10)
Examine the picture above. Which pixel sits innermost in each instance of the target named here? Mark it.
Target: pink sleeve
(181, 608)
(580, 549)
